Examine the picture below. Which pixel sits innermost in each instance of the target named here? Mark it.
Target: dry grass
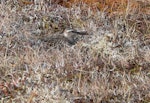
(111, 65)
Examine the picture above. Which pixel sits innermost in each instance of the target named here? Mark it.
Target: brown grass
(110, 65)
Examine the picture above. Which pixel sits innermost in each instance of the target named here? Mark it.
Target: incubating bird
(68, 37)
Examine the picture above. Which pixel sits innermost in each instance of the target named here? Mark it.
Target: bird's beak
(80, 32)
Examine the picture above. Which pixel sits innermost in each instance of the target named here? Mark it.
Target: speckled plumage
(68, 38)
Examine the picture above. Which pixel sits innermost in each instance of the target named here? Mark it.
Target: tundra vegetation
(109, 65)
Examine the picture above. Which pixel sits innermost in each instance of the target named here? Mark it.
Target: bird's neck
(65, 34)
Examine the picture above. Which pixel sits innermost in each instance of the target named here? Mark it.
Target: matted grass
(111, 64)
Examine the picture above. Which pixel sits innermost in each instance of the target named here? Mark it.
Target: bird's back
(65, 39)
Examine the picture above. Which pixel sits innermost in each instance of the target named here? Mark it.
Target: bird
(68, 37)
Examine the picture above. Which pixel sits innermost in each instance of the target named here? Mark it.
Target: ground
(111, 64)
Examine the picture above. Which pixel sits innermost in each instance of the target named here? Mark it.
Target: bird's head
(70, 32)
(67, 31)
